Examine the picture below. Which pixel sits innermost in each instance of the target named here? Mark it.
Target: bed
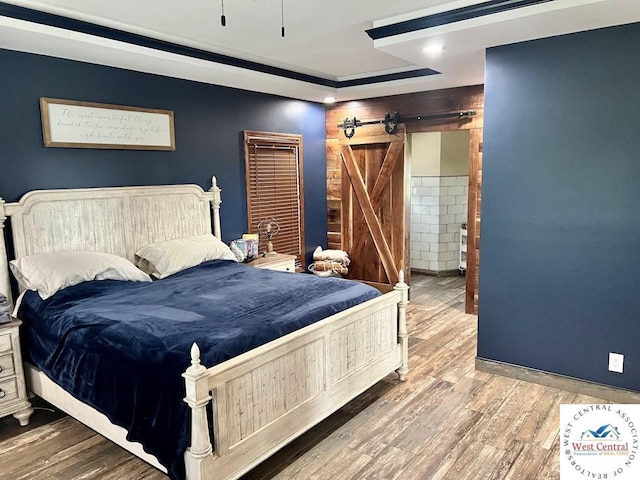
(241, 409)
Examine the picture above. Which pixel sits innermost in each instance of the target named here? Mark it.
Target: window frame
(271, 141)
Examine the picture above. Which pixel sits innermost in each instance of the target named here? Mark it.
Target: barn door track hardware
(391, 121)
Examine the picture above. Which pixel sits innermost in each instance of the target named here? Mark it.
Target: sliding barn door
(375, 202)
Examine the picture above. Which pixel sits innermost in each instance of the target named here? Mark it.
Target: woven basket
(323, 273)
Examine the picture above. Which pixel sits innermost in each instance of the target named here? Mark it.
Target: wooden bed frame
(260, 400)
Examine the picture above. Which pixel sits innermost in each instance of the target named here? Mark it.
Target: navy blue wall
(560, 258)
(209, 121)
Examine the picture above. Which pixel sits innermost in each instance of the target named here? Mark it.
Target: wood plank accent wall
(431, 102)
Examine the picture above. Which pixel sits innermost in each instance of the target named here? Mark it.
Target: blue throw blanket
(121, 347)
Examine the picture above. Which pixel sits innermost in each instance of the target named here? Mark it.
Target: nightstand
(13, 391)
(278, 261)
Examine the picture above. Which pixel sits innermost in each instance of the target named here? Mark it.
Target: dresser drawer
(5, 342)
(6, 366)
(8, 390)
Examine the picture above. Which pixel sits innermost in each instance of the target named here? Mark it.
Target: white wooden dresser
(13, 392)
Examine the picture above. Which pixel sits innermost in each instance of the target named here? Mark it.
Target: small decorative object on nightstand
(277, 261)
(13, 391)
(269, 228)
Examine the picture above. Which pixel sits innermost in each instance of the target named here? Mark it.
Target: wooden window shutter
(273, 165)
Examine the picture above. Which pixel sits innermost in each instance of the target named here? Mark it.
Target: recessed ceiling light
(329, 99)
(434, 48)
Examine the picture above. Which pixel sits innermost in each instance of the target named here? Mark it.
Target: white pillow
(165, 258)
(49, 272)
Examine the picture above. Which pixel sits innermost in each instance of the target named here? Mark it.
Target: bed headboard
(116, 220)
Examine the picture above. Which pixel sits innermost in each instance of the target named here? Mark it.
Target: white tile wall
(438, 209)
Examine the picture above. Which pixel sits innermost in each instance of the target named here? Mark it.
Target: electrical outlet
(616, 362)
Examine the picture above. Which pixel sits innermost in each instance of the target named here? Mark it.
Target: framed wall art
(74, 124)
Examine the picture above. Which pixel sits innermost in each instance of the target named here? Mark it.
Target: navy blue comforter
(122, 346)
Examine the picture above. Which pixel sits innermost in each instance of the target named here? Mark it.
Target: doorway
(439, 163)
(473, 202)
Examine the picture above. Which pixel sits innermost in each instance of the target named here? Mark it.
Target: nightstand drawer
(13, 392)
(283, 267)
(6, 366)
(5, 342)
(8, 390)
(277, 261)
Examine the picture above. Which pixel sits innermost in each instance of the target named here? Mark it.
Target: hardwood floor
(447, 422)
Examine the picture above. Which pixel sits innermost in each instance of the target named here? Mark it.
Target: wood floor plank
(444, 358)
(582, 399)
(437, 321)
(59, 460)
(282, 460)
(133, 470)
(476, 462)
(388, 465)
(550, 468)
(527, 465)
(491, 395)
(508, 460)
(432, 419)
(379, 390)
(501, 427)
(438, 447)
(541, 426)
(386, 428)
(98, 460)
(17, 454)
(346, 465)
(329, 448)
(44, 414)
(462, 366)
(484, 376)
(420, 380)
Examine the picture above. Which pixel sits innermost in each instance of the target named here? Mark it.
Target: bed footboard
(265, 398)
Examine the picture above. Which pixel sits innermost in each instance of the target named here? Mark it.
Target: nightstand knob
(2, 393)
(0, 369)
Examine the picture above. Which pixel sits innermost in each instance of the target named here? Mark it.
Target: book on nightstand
(252, 240)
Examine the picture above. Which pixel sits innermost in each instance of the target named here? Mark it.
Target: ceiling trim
(80, 26)
(388, 77)
(451, 16)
